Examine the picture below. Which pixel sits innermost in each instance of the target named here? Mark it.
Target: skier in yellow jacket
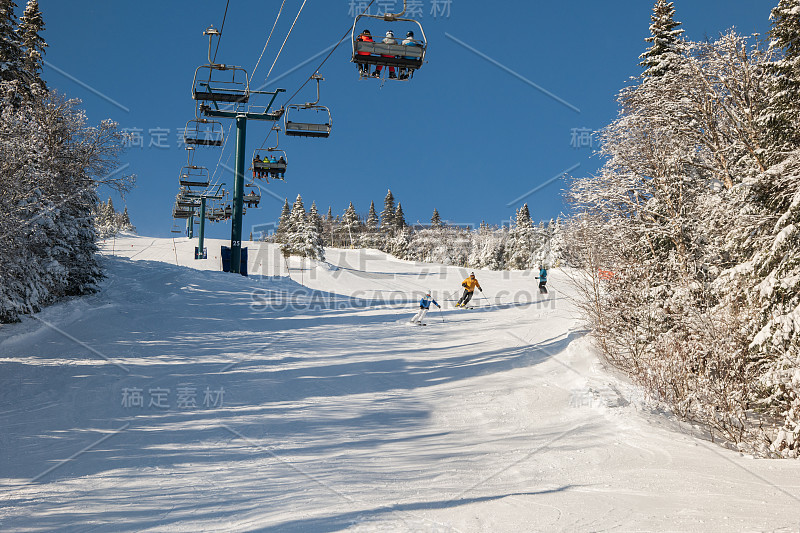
(469, 285)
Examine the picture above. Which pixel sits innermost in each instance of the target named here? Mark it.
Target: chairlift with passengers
(215, 214)
(194, 176)
(407, 57)
(203, 132)
(227, 212)
(253, 198)
(220, 83)
(306, 128)
(270, 162)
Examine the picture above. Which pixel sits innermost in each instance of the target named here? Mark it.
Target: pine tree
(31, 24)
(327, 234)
(316, 218)
(399, 218)
(283, 224)
(302, 237)
(665, 51)
(521, 244)
(293, 242)
(400, 245)
(777, 267)
(436, 220)
(49, 205)
(11, 55)
(350, 222)
(127, 224)
(372, 218)
(387, 215)
(106, 221)
(781, 120)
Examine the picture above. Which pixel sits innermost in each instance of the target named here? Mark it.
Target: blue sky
(498, 111)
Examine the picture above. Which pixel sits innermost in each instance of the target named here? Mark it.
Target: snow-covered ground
(302, 400)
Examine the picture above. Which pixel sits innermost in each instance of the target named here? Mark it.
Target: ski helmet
(410, 34)
(390, 33)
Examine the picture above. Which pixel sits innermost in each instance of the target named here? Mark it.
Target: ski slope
(301, 400)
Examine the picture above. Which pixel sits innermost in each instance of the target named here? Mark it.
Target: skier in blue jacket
(542, 277)
(424, 307)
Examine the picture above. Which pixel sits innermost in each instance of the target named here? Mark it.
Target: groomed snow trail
(302, 401)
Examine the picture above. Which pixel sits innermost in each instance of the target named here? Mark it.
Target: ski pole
(486, 298)
(441, 313)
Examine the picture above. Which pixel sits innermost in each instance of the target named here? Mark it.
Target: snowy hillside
(180, 398)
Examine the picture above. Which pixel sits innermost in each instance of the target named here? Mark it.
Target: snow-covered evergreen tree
(124, 222)
(327, 225)
(436, 220)
(373, 223)
(399, 218)
(50, 166)
(777, 342)
(781, 116)
(351, 224)
(521, 243)
(283, 223)
(387, 215)
(302, 237)
(399, 244)
(686, 238)
(665, 51)
(487, 249)
(31, 25)
(11, 54)
(316, 219)
(293, 242)
(108, 222)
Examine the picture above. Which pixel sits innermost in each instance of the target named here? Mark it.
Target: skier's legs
(422, 313)
(464, 298)
(418, 316)
(467, 297)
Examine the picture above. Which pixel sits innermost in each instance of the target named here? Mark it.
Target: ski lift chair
(218, 83)
(194, 176)
(181, 212)
(203, 132)
(253, 198)
(271, 161)
(374, 54)
(186, 203)
(306, 128)
(295, 128)
(216, 214)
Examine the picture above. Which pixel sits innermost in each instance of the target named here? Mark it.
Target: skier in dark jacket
(424, 307)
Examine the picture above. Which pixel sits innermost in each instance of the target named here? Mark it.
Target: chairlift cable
(286, 39)
(349, 29)
(268, 39)
(224, 16)
(221, 153)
